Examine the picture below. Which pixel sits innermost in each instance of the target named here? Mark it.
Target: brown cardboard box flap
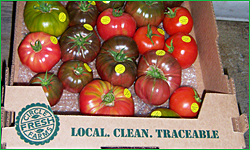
(212, 129)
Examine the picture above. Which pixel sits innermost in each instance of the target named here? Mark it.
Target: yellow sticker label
(62, 17)
(88, 27)
(160, 52)
(186, 39)
(92, 2)
(53, 39)
(161, 31)
(183, 20)
(106, 2)
(156, 113)
(119, 68)
(105, 20)
(194, 107)
(127, 93)
(87, 67)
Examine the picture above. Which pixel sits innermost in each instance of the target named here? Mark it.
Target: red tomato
(102, 98)
(39, 51)
(149, 38)
(185, 101)
(74, 75)
(178, 19)
(113, 22)
(183, 47)
(51, 85)
(159, 75)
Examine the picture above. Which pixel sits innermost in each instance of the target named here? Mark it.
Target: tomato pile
(145, 44)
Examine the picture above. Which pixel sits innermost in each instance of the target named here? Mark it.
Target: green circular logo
(37, 124)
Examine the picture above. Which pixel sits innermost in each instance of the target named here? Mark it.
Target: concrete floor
(233, 46)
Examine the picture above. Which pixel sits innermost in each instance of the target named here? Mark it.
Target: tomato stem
(156, 73)
(43, 6)
(171, 47)
(108, 99)
(37, 46)
(117, 12)
(120, 56)
(150, 34)
(149, 3)
(78, 70)
(45, 81)
(80, 41)
(84, 6)
(196, 96)
(171, 13)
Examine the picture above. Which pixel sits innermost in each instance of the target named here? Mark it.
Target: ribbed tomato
(114, 22)
(146, 12)
(80, 42)
(51, 85)
(103, 5)
(116, 61)
(159, 74)
(39, 51)
(74, 75)
(82, 13)
(46, 16)
(102, 98)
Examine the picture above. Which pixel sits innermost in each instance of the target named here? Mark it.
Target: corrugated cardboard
(219, 124)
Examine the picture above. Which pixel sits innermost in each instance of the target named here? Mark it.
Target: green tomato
(47, 16)
(164, 113)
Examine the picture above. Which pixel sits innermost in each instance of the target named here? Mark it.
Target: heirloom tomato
(116, 61)
(51, 85)
(178, 19)
(102, 98)
(149, 38)
(159, 74)
(82, 13)
(74, 75)
(146, 12)
(113, 22)
(47, 16)
(183, 47)
(103, 5)
(80, 42)
(185, 101)
(39, 51)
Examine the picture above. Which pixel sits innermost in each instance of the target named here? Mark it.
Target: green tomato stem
(171, 13)
(196, 97)
(84, 6)
(117, 12)
(43, 6)
(78, 70)
(150, 34)
(108, 99)
(156, 73)
(37, 46)
(45, 81)
(171, 47)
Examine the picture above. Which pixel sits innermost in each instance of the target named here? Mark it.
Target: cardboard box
(33, 124)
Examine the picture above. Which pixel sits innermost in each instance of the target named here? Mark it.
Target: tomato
(146, 12)
(185, 101)
(47, 16)
(159, 74)
(74, 75)
(39, 51)
(82, 13)
(113, 22)
(183, 47)
(103, 5)
(80, 42)
(102, 98)
(149, 38)
(51, 85)
(172, 4)
(116, 61)
(164, 113)
(178, 19)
